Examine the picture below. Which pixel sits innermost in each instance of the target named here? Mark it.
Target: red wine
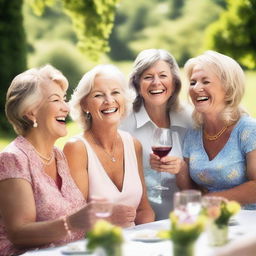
(161, 151)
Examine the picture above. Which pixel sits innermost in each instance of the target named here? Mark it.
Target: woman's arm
(183, 179)
(144, 211)
(76, 155)
(246, 192)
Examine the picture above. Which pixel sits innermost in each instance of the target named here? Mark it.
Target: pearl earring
(35, 125)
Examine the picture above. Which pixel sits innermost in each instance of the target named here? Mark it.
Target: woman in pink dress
(40, 205)
(104, 161)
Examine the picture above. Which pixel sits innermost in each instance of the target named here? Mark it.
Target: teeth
(63, 119)
(110, 110)
(202, 98)
(156, 91)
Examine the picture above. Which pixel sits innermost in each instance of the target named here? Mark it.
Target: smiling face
(52, 112)
(156, 85)
(106, 101)
(206, 91)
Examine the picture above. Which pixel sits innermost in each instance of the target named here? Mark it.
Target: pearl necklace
(111, 156)
(217, 135)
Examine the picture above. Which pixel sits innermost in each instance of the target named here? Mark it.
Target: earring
(88, 115)
(35, 124)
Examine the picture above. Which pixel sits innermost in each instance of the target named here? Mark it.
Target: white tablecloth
(244, 230)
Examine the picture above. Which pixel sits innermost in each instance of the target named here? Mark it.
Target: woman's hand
(83, 219)
(171, 164)
(123, 215)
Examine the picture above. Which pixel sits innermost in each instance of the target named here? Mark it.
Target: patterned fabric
(228, 168)
(100, 185)
(20, 161)
(139, 125)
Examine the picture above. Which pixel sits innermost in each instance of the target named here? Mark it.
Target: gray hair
(145, 60)
(232, 78)
(85, 86)
(25, 94)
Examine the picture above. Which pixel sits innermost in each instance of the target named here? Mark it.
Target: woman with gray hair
(106, 162)
(156, 81)
(221, 151)
(40, 204)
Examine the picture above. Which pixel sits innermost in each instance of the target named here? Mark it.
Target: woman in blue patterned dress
(220, 153)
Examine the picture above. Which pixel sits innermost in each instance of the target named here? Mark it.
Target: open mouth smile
(109, 111)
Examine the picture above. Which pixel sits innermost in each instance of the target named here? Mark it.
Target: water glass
(187, 203)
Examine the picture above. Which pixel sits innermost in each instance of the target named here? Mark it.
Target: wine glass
(161, 146)
(187, 203)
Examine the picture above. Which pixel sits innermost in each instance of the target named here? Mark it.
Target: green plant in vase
(219, 211)
(105, 238)
(184, 232)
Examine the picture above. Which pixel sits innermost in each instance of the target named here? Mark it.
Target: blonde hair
(232, 78)
(25, 94)
(145, 60)
(85, 86)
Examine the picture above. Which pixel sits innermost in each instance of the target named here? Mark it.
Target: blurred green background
(58, 32)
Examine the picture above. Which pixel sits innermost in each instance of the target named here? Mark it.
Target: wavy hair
(85, 86)
(232, 79)
(25, 94)
(145, 60)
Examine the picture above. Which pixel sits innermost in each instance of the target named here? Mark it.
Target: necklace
(217, 135)
(111, 156)
(46, 160)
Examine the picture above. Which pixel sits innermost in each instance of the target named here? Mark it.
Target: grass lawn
(248, 102)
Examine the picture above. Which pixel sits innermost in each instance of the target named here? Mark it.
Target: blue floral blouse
(228, 168)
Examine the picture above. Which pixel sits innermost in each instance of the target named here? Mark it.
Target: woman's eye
(147, 77)
(97, 95)
(116, 92)
(206, 82)
(192, 83)
(163, 76)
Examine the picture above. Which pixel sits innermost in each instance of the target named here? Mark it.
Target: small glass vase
(217, 235)
(114, 250)
(181, 249)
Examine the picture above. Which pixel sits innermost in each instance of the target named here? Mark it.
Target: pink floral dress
(20, 161)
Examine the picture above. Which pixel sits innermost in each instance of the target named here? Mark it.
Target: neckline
(223, 148)
(102, 167)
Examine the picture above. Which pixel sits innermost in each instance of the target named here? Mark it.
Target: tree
(92, 20)
(12, 48)
(234, 33)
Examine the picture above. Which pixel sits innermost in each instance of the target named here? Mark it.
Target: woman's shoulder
(248, 120)
(75, 144)
(246, 123)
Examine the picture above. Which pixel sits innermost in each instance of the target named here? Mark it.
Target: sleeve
(13, 165)
(248, 136)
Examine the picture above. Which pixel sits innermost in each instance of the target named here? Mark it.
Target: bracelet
(65, 223)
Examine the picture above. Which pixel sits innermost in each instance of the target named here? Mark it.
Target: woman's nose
(109, 99)
(198, 87)
(66, 107)
(156, 80)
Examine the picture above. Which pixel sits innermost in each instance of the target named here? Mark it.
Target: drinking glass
(161, 146)
(102, 207)
(187, 203)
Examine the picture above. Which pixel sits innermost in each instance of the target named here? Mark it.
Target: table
(243, 231)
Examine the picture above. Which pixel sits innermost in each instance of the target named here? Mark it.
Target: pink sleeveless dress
(101, 185)
(19, 161)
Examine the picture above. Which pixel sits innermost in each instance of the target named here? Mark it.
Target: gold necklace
(217, 135)
(111, 156)
(46, 160)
